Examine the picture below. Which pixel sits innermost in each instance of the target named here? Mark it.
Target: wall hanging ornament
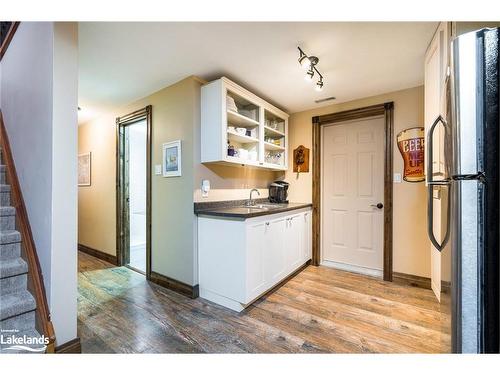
(412, 149)
(301, 159)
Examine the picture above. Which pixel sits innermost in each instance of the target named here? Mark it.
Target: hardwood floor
(320, 310)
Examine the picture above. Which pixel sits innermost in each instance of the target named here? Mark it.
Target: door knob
(378, 205)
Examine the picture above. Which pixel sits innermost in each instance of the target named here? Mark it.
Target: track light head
(304, 62)
(319, 85)
(314, 60)
(309, 75)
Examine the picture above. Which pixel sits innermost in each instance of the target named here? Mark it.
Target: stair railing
(43, 323)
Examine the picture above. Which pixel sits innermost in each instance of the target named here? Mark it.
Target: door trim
(123, 121)
(387, 110)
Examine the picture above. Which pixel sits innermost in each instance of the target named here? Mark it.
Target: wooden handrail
(35, 278)
(8, 37)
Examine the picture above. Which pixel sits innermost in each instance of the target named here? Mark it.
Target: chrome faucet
(251, 202)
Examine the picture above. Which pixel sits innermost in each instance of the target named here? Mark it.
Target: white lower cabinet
(239, 260)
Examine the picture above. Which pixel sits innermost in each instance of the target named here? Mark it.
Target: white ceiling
(122, 62)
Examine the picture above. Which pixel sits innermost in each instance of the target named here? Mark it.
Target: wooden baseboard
(411, 280)
(71, 347)
(175, 285)
(98, 254)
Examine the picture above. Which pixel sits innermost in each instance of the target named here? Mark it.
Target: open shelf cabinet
(238, 127)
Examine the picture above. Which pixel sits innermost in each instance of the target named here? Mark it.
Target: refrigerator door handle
(430, 186)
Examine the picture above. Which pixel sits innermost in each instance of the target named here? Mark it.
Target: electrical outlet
(397, 178)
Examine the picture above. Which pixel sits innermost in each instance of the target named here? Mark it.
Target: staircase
(17, 305)
(24, 314)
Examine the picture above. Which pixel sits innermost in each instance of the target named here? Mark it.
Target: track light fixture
(309, 63)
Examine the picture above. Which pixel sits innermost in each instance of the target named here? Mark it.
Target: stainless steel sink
(263, 207)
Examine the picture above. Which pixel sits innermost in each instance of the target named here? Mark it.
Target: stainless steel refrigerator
(472, 183)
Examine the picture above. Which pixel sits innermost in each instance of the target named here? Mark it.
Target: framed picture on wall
(172, 159)
(84, 166)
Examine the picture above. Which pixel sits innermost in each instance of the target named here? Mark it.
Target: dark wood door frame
(122, 122)
(386, 110)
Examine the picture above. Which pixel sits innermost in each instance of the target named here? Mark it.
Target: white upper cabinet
(436, 78)
(238, 127)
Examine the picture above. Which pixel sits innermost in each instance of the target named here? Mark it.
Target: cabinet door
(274, 251)
(256, 278)
(307, 237)
(432, 101)
(436, 77)
(294, 241)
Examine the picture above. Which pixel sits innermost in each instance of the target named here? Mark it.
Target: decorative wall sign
(172, 159)
(412, 149)
(301, 159)
(84, 172)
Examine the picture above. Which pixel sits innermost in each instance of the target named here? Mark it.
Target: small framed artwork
(84, 169)
(172, 159)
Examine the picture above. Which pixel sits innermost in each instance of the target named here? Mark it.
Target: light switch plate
(158, 169)
(397, 178)
(205, 188)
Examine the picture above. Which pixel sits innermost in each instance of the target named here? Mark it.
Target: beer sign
(411, 147)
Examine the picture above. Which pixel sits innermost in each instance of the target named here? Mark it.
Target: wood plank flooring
(320, 310)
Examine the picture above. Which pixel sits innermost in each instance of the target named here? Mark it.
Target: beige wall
(176, 115)
(411, 246)
(173, 251)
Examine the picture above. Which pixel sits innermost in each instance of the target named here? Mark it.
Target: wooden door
(352, 187)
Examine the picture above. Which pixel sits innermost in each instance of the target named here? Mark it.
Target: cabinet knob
(267, 222)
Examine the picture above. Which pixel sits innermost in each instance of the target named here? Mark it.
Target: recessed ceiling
(123, 62)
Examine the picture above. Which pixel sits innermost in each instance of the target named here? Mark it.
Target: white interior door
(352, 185)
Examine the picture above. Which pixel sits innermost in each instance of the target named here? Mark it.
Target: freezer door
(474, 131)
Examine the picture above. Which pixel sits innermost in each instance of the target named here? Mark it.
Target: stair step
(7, 218)
(13, 284)
(16, 304)
(23, 322)
(32, 348)
(9, 236)
(12, 267)
(10, 250)
(7, 211)
(4, 188)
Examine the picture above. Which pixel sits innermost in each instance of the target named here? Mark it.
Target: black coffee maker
(278, 192)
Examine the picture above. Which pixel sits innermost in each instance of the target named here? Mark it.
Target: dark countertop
(235, 209)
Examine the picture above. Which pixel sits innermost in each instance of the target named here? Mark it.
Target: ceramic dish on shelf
(250, 113)
(241, 131)
(243, 153)
(231, 104)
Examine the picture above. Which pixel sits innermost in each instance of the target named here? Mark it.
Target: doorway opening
(385, 111)
(134, 191)
(352, 183)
